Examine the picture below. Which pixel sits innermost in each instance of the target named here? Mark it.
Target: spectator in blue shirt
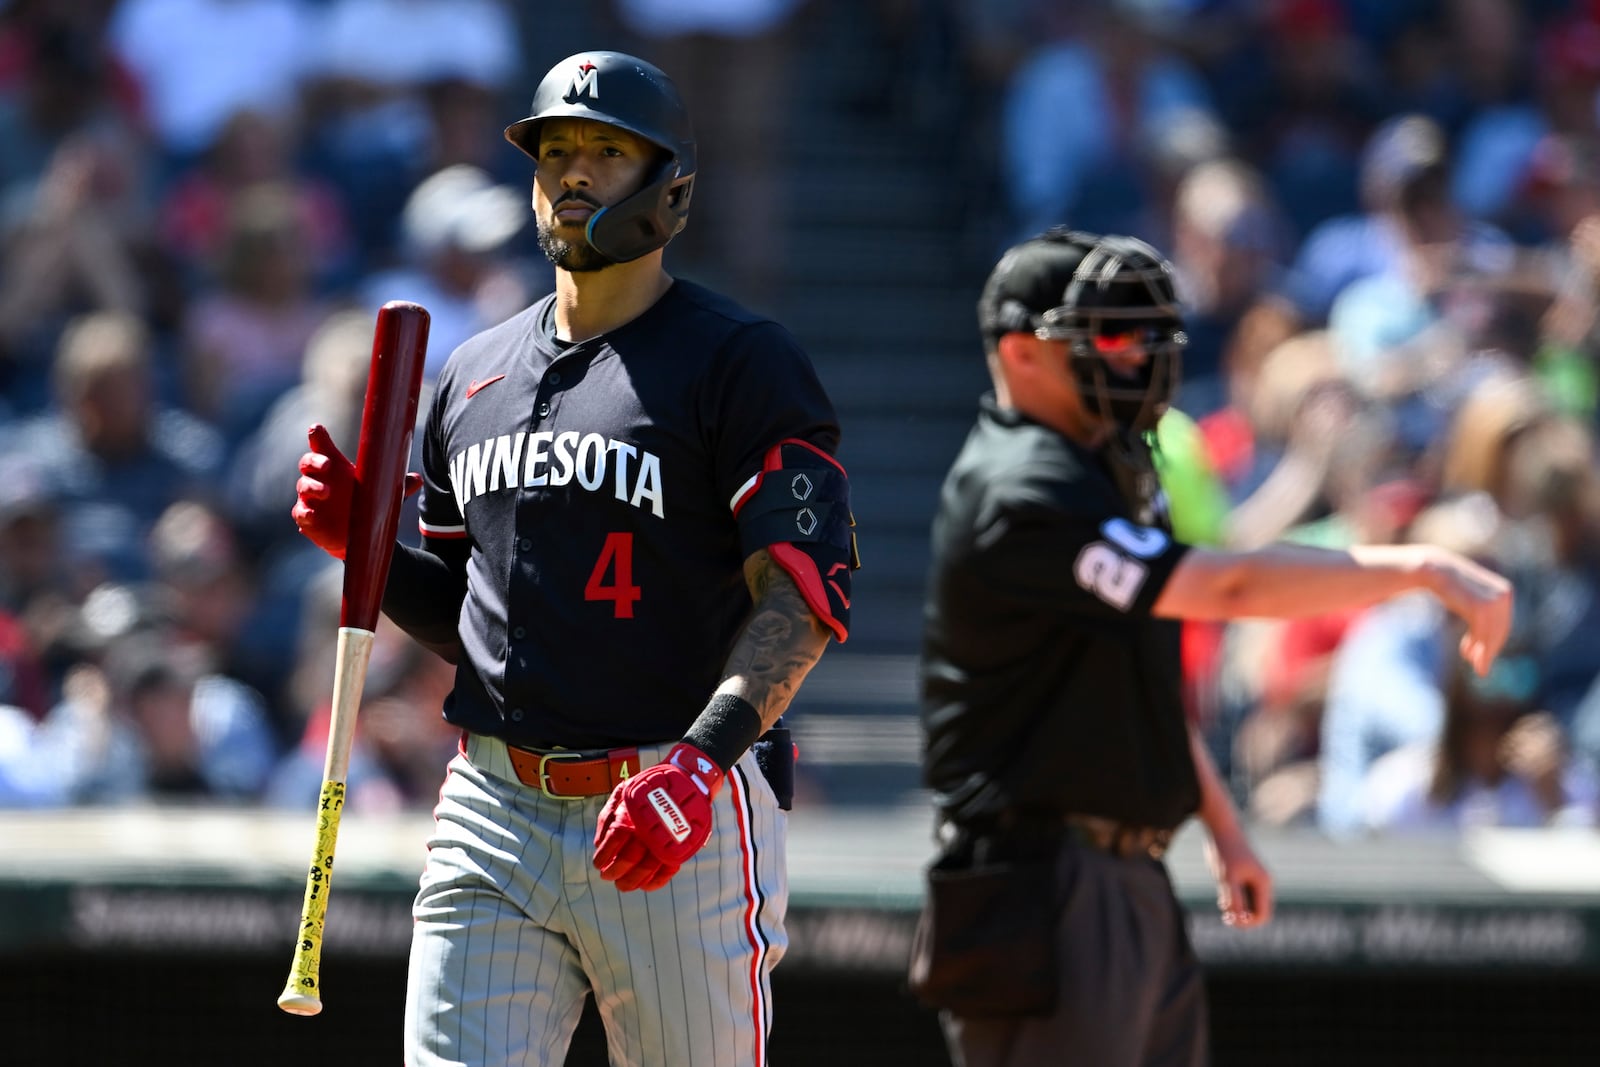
(113, 459)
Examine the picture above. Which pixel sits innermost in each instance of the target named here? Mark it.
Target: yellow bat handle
(301, 995)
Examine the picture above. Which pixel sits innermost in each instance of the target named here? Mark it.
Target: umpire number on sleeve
(1145, 542)
(1105, 569)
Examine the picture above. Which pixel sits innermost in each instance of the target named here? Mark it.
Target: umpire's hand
(1244, 886)
(1478, 597)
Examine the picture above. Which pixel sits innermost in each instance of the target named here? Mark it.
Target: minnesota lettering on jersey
(524, 460)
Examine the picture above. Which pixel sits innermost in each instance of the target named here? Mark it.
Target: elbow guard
(798, 509)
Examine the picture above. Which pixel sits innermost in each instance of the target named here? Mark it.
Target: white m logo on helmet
(587, 80)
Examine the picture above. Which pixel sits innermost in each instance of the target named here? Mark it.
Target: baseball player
(636, 543)
(1056, 739)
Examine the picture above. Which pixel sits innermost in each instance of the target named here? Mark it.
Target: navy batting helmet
(626, 92)
(1121, 290)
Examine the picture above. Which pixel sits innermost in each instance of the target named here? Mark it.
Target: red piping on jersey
(774, 460)
(747, 867)
(801, 567)
(459, 534)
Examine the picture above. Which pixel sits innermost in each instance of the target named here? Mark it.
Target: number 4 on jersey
(616, 556)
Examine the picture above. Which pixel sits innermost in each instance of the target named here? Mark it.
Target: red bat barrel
(394, 383)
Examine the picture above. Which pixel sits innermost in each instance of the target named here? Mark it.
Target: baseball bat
(394, 384)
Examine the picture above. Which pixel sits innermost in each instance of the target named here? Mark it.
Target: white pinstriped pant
(514, 927)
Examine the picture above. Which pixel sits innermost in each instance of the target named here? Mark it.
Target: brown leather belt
(1117, 838)
(571, 774)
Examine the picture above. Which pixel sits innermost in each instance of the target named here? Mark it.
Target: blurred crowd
(1384, 215)
(202, 205)
(1385, 221)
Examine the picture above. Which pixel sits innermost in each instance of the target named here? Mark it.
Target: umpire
(1056, 741)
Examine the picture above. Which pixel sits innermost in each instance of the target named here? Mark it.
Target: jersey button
(525, 544)
(554, 377)
(516, 714)
(544, 408)
(519, 633)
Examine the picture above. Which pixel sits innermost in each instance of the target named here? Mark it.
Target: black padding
(775, 755)
(798, 505)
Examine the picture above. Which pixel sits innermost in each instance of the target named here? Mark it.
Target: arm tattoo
(780, 643)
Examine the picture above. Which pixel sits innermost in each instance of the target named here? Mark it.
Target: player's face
(583, 166)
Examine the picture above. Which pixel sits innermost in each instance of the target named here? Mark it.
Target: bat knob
(299, 1002)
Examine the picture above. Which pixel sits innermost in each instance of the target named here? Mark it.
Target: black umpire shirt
(1046, 683)
(594, 483)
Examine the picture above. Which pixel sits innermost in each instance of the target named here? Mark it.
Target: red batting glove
(325, 490)
(656, 820)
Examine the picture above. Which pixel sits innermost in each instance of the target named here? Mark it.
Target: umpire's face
(1036, 377)
(1042, 382)
(1124, 353)
(583, 166)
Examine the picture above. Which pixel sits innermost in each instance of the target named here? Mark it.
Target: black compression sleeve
(424, 592)
(726, 727)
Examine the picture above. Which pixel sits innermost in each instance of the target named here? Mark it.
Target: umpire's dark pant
(1131, 990)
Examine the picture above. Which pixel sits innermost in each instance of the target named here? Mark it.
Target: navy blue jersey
(594, 483)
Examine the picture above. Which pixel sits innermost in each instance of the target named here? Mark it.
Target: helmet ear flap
(679, 194)
(645, 220)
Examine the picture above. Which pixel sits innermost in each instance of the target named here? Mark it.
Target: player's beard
(574, 257)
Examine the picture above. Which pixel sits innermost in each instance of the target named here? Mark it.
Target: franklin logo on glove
(676, 824)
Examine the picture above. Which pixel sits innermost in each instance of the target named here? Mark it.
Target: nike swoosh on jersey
(474, 385)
